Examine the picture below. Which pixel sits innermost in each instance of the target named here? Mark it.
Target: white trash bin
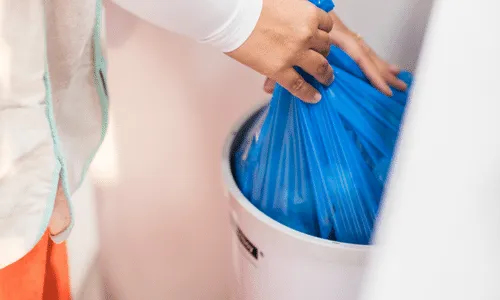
(274, 262)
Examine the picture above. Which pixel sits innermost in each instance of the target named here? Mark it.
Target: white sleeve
(225, 24)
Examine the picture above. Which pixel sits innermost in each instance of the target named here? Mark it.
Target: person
(54, 101)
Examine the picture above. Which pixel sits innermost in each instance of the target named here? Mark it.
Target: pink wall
(163, 215)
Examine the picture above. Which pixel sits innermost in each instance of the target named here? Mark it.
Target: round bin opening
(232, 144)
(271, 261)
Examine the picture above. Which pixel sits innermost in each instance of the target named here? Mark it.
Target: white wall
(163, 214)
(394, 28)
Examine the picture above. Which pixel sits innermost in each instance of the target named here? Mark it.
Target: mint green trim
(60, 171)
(99, 65)
(61, 162)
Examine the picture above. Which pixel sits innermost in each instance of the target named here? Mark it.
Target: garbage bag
(321, 168)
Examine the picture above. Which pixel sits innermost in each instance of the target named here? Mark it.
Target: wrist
(239, 28)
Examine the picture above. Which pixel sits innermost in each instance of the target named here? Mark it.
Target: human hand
(376, 69)
(290, 33)
(380, 73)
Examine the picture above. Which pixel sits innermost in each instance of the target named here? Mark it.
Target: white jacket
(53, 96)
(53, 111)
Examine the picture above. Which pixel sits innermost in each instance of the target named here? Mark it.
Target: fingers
(318, 66)
(321, 43)
(389, 72)
(325, 21)
(269, 85)
(381, 74)
(394, 69)
(356, 52)
(295, 84)
(395, 82)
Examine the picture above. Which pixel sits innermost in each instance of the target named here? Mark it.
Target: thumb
(269, 85)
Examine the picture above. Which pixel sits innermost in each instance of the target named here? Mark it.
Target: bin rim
(232, 188)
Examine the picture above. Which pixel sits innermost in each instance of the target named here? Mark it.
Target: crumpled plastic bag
(321, 168)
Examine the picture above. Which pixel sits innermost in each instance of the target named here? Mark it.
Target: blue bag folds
(321, 168)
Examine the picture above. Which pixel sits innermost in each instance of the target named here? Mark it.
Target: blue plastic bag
(321, 168)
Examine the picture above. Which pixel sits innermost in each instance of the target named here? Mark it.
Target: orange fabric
(41, 275)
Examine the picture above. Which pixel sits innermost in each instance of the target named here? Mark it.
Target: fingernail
(317, 97)
(330, 81)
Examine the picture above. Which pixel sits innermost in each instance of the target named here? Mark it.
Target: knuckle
(298, 84)
(307, 35)
(323, 68)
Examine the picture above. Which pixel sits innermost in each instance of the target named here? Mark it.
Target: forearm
(225, 24)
